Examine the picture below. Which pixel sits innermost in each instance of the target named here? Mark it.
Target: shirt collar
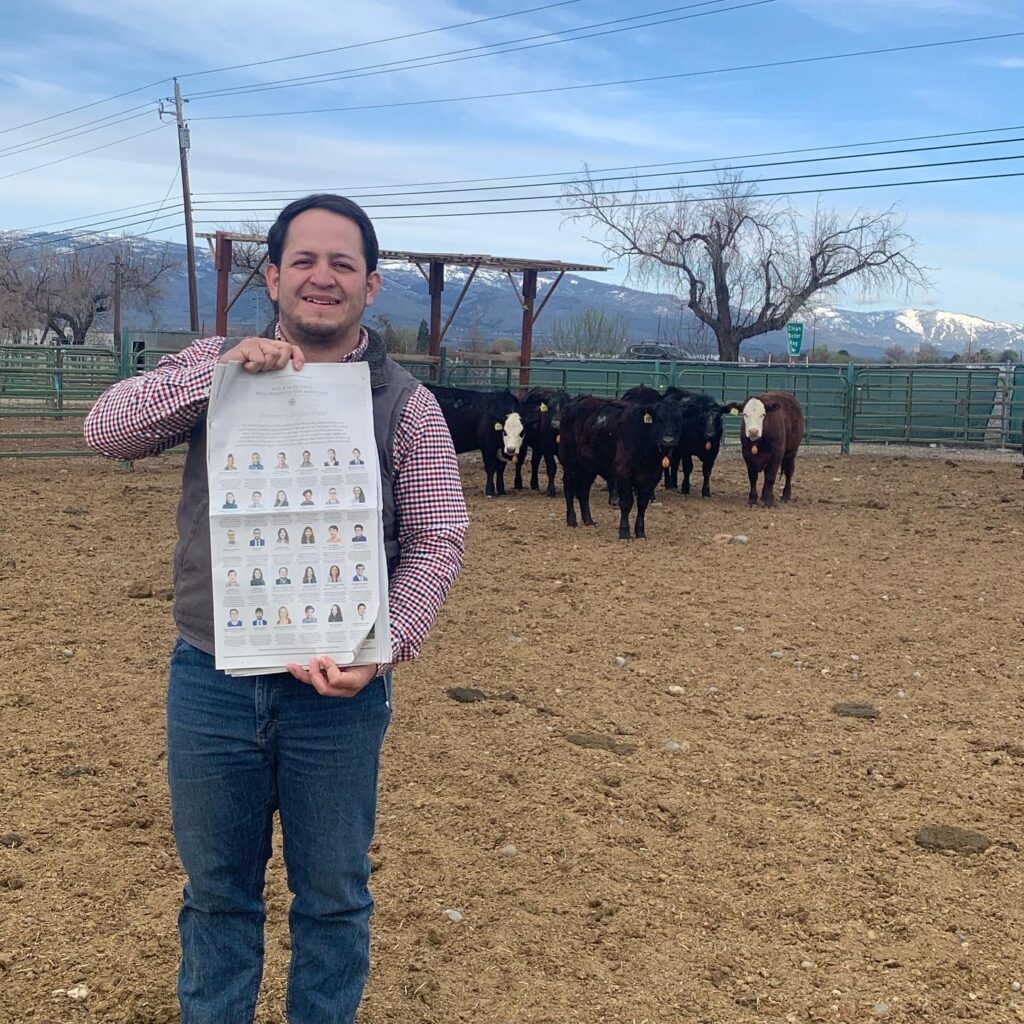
(358, 353)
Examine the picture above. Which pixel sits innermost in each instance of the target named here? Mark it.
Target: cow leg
(672, 473)
(771, 472)
(687, 470)
(707, 465)
(626, 506)
(549, 460)
(788, 465)
(613, 492)
(585, 486)
(489, 468)
(752, 477)
(518, 482)
(534, 467)
(499, 478)
(641, 510)
(570, 487)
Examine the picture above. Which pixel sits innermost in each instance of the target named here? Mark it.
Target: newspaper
(296, 528)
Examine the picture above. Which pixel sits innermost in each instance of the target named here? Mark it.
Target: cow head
(754, 412)
(555, 405)
(668, 424)
(512, 435)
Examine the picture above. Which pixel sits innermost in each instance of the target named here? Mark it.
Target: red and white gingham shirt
(145, 415)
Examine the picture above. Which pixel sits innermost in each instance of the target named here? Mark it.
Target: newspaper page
(296, 528)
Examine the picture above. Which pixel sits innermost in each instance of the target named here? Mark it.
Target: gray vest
(391, 387)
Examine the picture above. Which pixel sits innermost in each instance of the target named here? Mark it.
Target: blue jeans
(237, 751)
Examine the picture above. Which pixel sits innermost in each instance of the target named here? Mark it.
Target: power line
(72, 133)
(84, 152)
(631, 167)
(718, 169)
(375, 42)
(177, 171)
(622, 81)
(468, 53)
(148, 207)
(83, 248)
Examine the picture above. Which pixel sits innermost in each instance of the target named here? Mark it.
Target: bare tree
(897, 354)
(249, 263)
(66, 291)
(928, 353)
(590, 332)
(745, 265)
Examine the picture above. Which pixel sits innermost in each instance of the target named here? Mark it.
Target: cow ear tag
(734, 412)
(499, 426)
(543, 407)
(648, 418)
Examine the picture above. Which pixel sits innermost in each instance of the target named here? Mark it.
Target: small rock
(620, 662)
(949, 837)
(76, 771)
(11, 840)
(901, 693)
(671, 746)
(676, 691)
(611, 779)
(78, 993)
(856, 710)
(453, 915)
(1015, 986)
(164, 593)
(466, 695)
(506, 695)
(68, 652)
(712, 690)
(880, 1009)
(741, 538)
(806, 965)
(139, 589)
(509, 852)
(595, 741)
(778, 654)
(721, 538)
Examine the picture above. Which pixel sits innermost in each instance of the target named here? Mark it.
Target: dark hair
(335, 204)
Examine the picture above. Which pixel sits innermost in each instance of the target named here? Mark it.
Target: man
(361, 611)
(360, 575)
(309, 619)
(332, 496)
(332, 535)
(307, 460)
(257, 539)
(257, 500)
(232, 578)
(234, 622)
(357, 458)
(241, 749)
(232, 539)
(282, 461)
(259, 620)
(282, 577)
(256, 462)
(358, 537)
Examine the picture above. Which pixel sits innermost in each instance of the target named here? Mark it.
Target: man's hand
(258, 355)
(330, 679)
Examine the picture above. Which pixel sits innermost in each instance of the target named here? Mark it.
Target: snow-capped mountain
(491, 309)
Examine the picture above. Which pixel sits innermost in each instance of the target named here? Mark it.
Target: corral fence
(45, 392)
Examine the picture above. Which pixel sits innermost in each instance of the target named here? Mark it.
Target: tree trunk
(728, 347)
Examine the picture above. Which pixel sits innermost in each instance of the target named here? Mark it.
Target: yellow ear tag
(543, 407)
(499, 426)
(734, 412)
(648, 418)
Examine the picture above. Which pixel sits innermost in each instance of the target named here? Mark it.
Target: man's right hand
(258, 355)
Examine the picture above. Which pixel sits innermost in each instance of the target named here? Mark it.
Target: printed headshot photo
(357, 458)
(307, 460)
(334, 574)
(282, 536)
(332, 458)
(231, 539)
(358, 496)
(257, 579)
(257, 539)
(229, 500)
(232, 580)
(229, 464)
(282, 577)
(359, 576)
(333, 537)
(255, 462)
(307, 498)
(280, 500)
(309, 616)
(257, 500)
(335, 615)
(282, 461)
(259, 620)
(358, 536)
(234, 622)
(309, 576)
(360, 612)
(332, 496)
(308, 537)
(283, 618)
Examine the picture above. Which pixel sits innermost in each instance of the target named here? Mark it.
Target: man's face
(322, 286)
(282, 573)
(360, 569)
(333, 531)
(359, 531)
(255, 457)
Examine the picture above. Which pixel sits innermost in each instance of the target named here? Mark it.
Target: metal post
(222, 260)
(435, 285)
(117, 297)
(184, 142)
(526, 352)
(851, 403)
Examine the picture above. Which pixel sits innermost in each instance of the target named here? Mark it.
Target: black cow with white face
(484, 420)
(541, 410)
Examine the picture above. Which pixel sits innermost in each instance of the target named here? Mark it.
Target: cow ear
(734, 408)
(648, 418)
(499, 426)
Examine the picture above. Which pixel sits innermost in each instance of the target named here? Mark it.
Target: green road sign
(795, 333)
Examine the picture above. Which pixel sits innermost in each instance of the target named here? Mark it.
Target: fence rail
(45, 393)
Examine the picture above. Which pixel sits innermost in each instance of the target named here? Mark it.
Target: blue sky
(60, 54)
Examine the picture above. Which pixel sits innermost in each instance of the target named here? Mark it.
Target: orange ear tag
(753, 449)
(707, 446)
(665, 463)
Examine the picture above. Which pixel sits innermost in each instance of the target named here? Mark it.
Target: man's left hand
(332, 680)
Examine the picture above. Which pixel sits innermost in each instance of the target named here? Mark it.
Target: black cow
(540, 410)
(620, 441)
(701, 437)
(484, 420)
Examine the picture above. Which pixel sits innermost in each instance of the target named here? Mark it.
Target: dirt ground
(735, 852)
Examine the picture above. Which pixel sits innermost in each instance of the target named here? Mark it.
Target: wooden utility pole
(186, 195)
(117, 301)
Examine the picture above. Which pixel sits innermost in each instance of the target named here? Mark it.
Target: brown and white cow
(772, 429)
